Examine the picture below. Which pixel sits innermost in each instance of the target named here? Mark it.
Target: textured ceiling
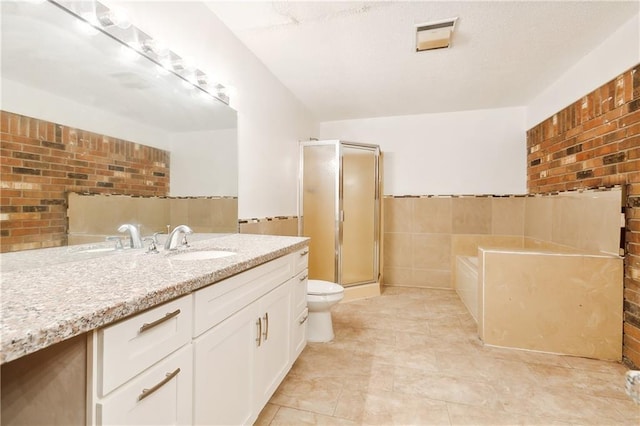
(347, 60)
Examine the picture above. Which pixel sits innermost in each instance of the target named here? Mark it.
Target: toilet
(321, 296)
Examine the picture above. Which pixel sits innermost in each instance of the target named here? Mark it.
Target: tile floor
(412, 357)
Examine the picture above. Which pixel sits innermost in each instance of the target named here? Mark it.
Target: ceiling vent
(434, 35)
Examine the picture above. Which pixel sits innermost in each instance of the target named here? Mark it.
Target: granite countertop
(50, 295)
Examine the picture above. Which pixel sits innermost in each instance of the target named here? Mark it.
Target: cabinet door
(224, 368)
(161, 395)
(272, 357)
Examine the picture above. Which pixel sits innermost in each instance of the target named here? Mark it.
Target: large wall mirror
(57, 68)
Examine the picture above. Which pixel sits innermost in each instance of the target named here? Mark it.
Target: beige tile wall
(423, 235)
(287, 226)
(92, 217)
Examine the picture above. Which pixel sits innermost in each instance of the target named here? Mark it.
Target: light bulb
(116, 16)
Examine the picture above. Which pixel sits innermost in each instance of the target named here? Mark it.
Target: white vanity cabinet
(140, 369)
(249, 350)
(214, 356)
(300, 313)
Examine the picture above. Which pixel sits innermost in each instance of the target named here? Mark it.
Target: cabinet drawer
(130, 346)
(301, 259)
(159, 396)
(219, 301)
(300, 292)
(299, 334)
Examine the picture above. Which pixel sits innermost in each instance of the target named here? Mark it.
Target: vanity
(132, 338)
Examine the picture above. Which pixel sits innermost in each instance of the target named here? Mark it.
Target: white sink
(202, 255)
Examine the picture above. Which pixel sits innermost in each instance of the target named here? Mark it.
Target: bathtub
(467, 283)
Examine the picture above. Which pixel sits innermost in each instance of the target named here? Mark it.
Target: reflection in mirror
(81, 114)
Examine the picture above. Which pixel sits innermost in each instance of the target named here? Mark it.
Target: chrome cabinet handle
(304, 253)
(146, 326)
(303, 278)
(146, 392)
(266, 329)
(259, 325)
(303, 320)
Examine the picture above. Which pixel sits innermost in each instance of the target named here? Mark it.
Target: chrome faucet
(136, 240)
(172, 239)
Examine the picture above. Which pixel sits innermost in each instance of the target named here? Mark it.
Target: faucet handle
(118, 241)
(152, 245)
(155, 237)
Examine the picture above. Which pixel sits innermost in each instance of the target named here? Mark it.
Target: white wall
(271, 120)
(204, 163)
(616, 54)
(25, 100)
(469, 152)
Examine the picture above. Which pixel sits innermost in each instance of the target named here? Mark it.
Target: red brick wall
(596, 142)
(41, 161)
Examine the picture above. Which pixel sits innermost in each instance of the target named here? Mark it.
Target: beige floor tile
(294, 417)
(267, 415)
(477, 416)
(591, 382)
(318, 394)
(446, 388)
(395, 409)
(559, 403)
(413, 356)
(482, 367)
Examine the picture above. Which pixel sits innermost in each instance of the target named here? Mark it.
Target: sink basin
(98, 250)
(93, 249)
(202, 255)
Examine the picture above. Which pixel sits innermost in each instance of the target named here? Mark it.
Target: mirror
(54, 70)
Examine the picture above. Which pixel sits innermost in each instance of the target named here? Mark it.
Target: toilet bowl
(321, 296)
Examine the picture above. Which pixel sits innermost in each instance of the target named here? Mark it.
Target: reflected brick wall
(596, 142)
(41, 161)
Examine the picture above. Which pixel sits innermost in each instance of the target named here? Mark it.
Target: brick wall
(41, 161)
(596, 142)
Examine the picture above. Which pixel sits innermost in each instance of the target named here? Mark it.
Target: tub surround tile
(431, 251)
(507, 216)
(398, 213)
(538, 217)
(471, 215)
(432, 216)
(50, 295)
(551, 302)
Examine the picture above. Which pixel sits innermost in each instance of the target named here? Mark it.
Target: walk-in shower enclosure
(339, 209)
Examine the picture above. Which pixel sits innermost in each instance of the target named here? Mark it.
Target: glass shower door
(359, 201)
(320, 208)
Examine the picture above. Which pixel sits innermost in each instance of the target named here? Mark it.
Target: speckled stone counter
(50, 295)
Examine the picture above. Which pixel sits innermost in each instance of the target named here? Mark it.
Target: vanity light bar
(116, 25)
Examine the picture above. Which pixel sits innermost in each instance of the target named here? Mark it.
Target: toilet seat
(319, 288)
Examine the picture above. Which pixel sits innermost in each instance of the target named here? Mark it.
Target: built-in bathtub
(467, 283)
(539, 298)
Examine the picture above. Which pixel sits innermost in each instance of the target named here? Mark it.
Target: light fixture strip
(101, 17)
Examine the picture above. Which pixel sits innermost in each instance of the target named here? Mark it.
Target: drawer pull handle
(303, 320)
(259, 325)
(146, 392)
(303, 278)
(304, 253)
(146, 326)
(266, 328)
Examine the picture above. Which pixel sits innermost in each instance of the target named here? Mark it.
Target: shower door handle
(341, 215)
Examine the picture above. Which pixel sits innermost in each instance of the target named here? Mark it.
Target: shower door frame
(338, 203)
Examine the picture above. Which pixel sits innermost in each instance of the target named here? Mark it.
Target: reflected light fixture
(115, 23)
